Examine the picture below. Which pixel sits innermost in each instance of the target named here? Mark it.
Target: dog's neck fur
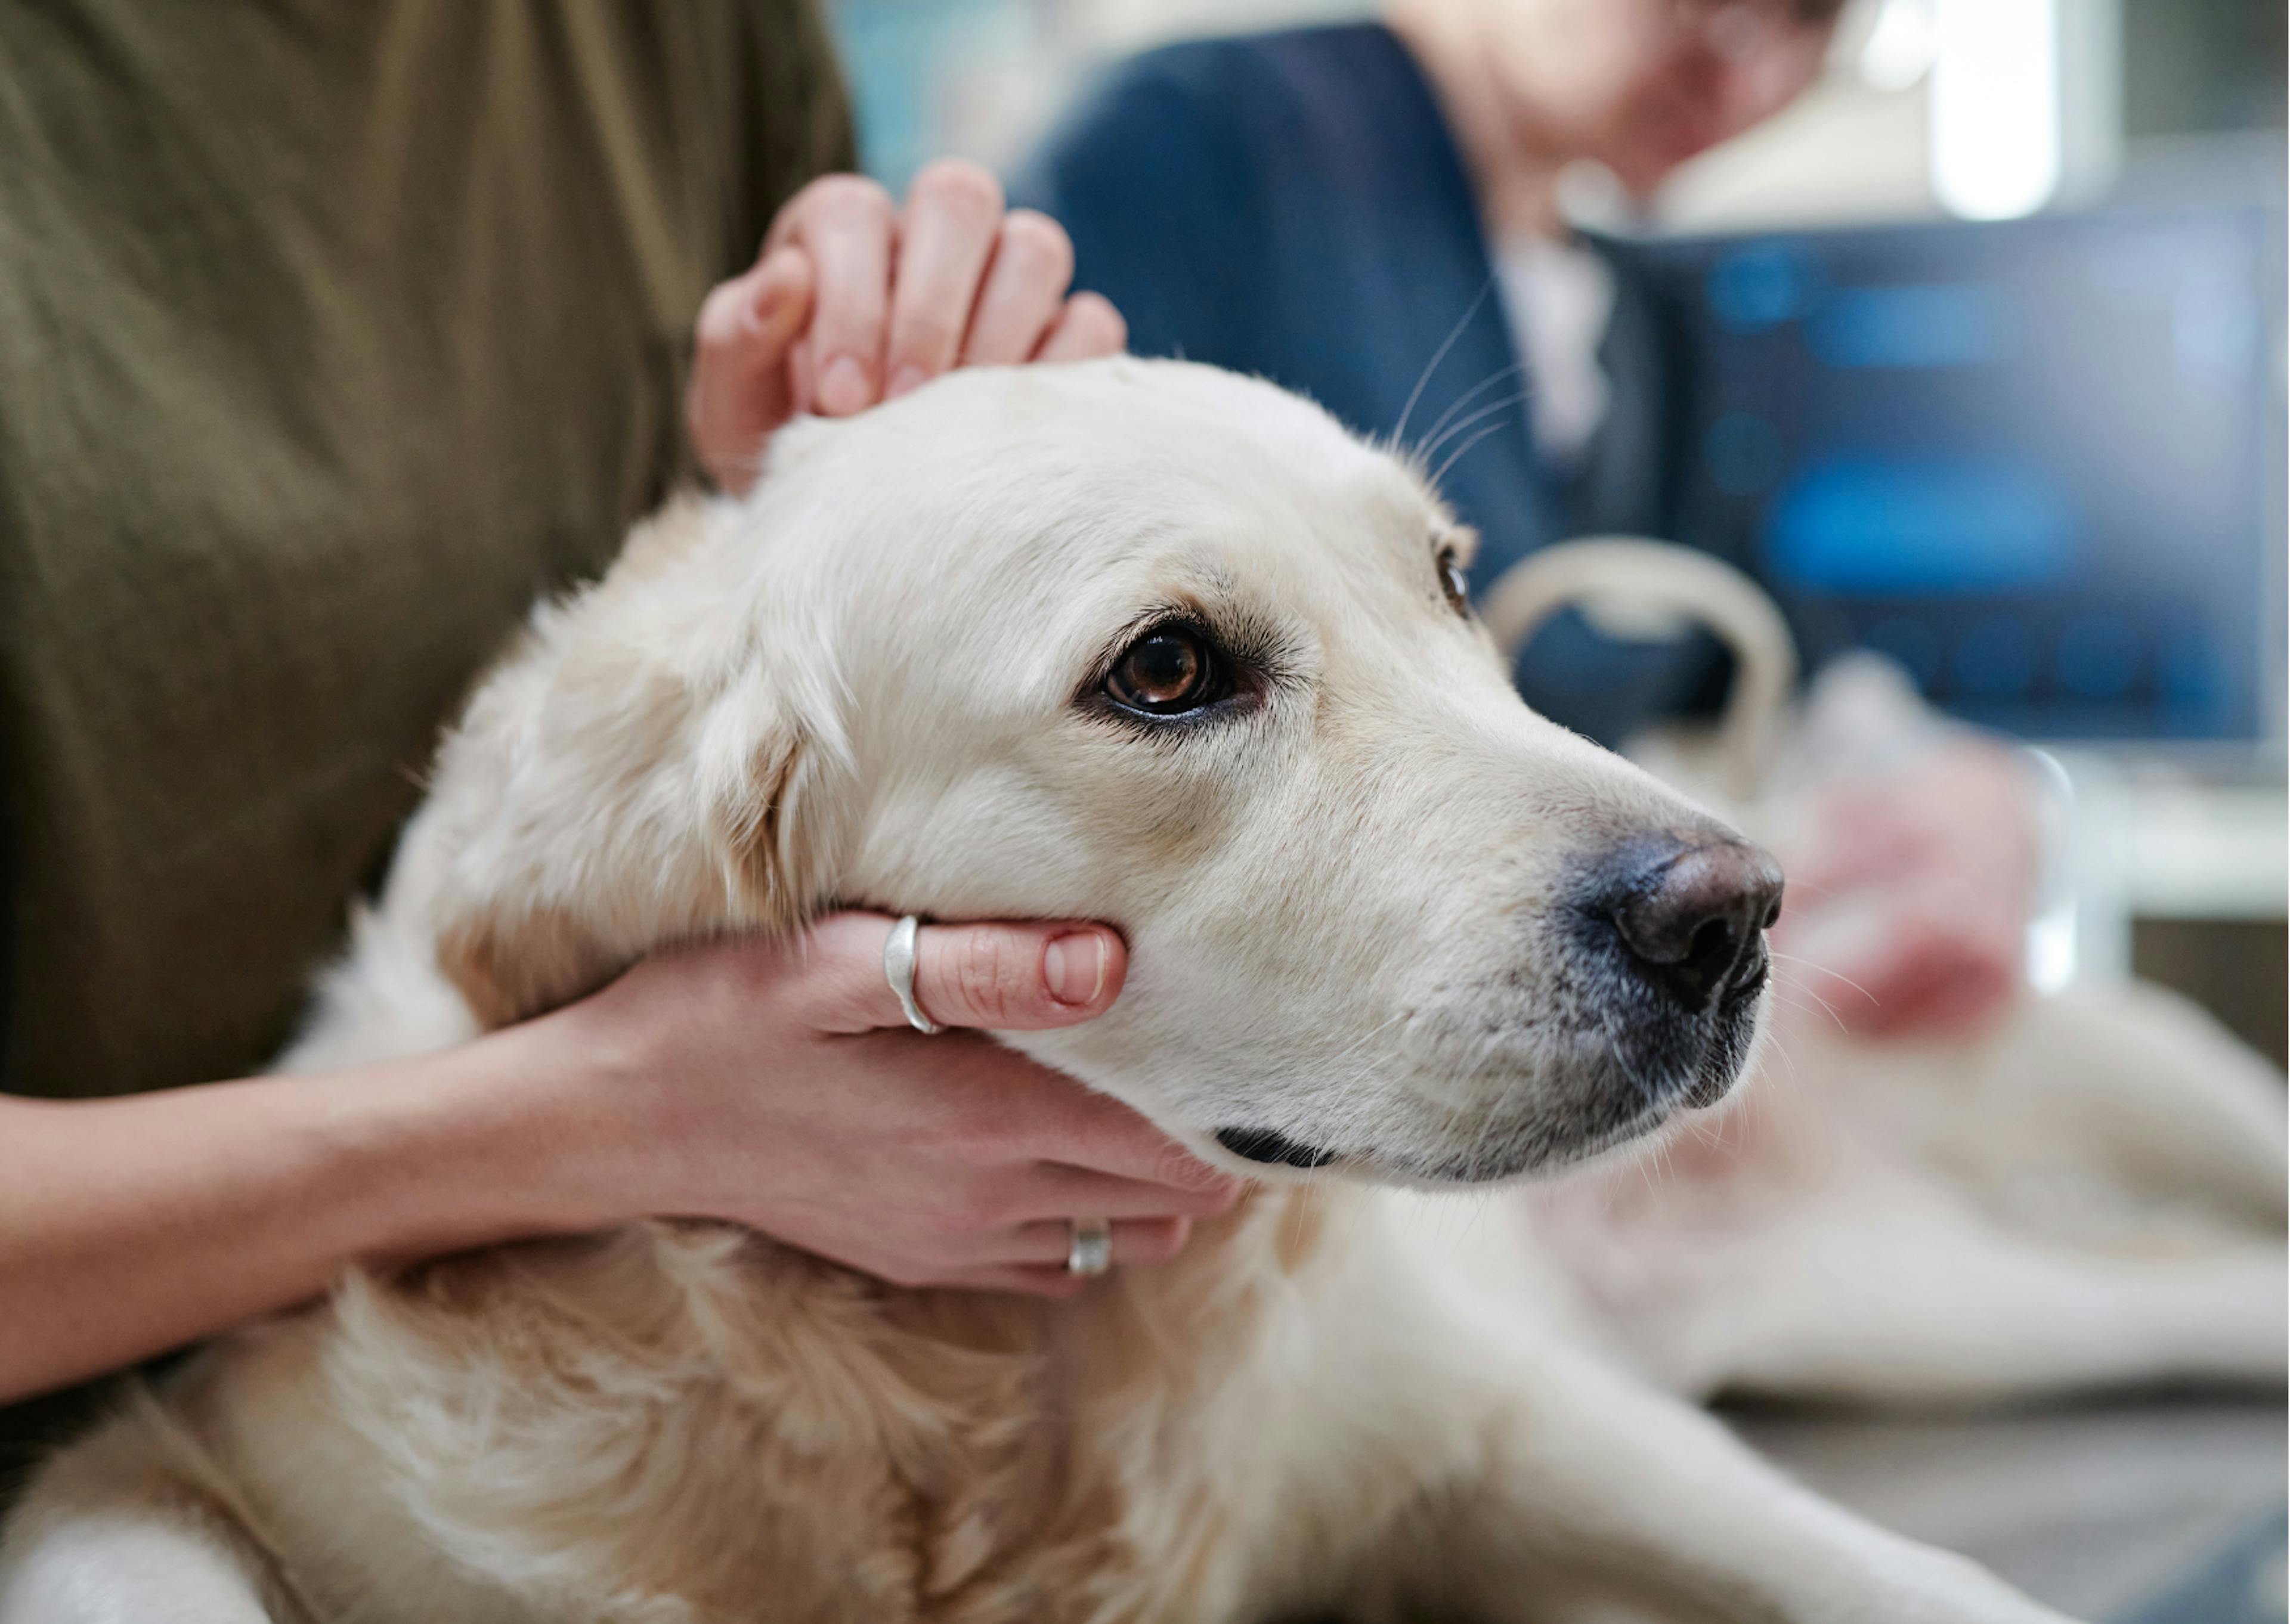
(1016, 1459)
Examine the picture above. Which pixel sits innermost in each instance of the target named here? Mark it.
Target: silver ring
(1090, 1251)
(899, 971)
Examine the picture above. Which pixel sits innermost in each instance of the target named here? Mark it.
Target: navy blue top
(1293, 205)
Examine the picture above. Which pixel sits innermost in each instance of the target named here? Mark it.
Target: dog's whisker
(1777, 1045)
(1431, 435)
(1823, 969)
(1658, 1153)
(1805, 1001)
(1796, 1001)
(1800, 988)
(1457, 455)
(1622, 1059)
(1295, 1217)
(1399, 434)
(1366, 1038)
(1504, 404)
(1639, 1165)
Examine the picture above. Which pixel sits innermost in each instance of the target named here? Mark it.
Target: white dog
(1135, 641)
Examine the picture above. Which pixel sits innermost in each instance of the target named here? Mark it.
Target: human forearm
(129, 1226)
(749, 1083)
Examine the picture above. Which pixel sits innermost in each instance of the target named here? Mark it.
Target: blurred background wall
(2138, 89)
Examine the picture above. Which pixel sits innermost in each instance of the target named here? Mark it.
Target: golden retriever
(1136, 641)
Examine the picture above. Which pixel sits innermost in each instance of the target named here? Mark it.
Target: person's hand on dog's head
(777, 1085)
(854, 301)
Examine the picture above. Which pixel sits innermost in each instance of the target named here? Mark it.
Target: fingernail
(843, 387)
(908, 377)
(1074, 965)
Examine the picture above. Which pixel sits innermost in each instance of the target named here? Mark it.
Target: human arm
(767, 1085)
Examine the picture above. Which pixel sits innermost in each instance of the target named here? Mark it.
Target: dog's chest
(682, 1423)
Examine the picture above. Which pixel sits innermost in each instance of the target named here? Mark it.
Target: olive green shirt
(331, 332)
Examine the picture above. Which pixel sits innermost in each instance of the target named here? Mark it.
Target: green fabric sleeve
(330, 336)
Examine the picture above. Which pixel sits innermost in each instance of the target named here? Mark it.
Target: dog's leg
(1908, 1294)
(129, 1567)
(2138, 1090)
(1589, 1474)
(129, 1526)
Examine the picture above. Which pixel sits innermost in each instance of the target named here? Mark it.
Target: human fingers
(1037, 1144)
(947, 233)
(1024, 291)
(1079, 1134)
(1046, 1241)
(963, 1218)
(1044, 1146)
(1006, 977)
(1088, 327)
(1054, 1190)
(1029, 1280)
(847, 223)
(741, 390)
(1137, 1241)
(932, 1271)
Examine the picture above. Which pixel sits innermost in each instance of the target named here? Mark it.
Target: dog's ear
(595, 807)
(762, 768)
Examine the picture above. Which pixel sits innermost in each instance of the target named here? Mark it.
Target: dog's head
(1145, 642)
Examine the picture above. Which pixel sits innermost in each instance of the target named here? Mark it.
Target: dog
(1137, 641)
(2087, 1193)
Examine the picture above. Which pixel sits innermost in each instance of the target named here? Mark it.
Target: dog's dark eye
(1453, 581)
(1169, 671)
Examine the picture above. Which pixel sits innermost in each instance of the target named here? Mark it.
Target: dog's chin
(1621, 1091)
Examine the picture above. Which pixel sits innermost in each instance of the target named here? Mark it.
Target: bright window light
(1899, 48)
(1996, 106)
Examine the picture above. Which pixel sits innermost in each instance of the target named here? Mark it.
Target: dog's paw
(1947, 1588)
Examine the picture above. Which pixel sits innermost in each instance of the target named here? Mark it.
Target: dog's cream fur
(871, 681)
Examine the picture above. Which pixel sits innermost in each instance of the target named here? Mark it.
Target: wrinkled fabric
(330, 336)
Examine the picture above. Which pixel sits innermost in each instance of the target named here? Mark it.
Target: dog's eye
(1169, 671)
(1453, 581)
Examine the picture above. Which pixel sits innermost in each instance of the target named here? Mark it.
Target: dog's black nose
(1693, 917)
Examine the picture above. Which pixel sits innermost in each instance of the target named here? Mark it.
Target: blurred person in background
(328, 340)
(1372, 214)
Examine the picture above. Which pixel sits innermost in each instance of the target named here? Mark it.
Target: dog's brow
(1463, 538)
